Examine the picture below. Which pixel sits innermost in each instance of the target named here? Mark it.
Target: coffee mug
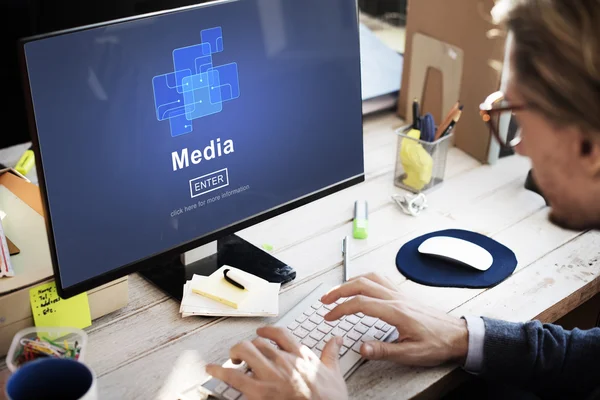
(52, 378)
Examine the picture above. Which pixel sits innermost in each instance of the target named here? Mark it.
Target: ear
(590, 154)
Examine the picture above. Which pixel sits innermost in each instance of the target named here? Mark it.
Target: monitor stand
(230, 250)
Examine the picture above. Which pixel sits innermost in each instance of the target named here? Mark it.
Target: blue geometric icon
(214, 37)
(196, 88)
(230, 85)
(199, 97)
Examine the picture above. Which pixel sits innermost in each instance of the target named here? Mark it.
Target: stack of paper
(261, 299)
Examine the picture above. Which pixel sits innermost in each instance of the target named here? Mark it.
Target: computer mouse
(459, 251)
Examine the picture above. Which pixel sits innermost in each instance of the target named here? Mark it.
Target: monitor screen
(153, 133)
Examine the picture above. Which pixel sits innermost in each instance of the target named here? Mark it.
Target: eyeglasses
(496, 112)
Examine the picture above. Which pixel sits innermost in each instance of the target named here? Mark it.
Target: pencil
(449, 117)
(452, 123)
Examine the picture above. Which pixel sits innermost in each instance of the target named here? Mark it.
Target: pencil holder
(420, 165)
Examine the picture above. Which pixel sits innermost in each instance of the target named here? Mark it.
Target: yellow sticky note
(50, 310)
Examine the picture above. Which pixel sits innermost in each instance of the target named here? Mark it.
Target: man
(554, 93)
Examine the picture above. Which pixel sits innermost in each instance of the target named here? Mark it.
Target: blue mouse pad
(432, 271)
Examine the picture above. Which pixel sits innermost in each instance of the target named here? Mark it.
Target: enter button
(209, 182)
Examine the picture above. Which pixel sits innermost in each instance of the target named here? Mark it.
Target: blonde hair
(556, 57)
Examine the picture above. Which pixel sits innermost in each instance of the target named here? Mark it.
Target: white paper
(381, 66)
(263, 302)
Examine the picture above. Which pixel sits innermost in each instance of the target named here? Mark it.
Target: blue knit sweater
(545, 359)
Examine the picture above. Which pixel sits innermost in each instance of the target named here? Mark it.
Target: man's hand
(291, 372)
(428, 337)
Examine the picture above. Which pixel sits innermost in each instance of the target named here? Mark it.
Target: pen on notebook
(345, 254)
(232, 281)
(444, 125)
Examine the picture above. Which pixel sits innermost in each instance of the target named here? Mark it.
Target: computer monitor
(160, 133)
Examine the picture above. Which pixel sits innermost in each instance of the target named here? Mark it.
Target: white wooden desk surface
(148, 351)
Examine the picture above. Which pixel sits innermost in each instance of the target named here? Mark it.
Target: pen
(444, 125)
(416, 115)
(234, 283)
(345, 254)
(451, 126)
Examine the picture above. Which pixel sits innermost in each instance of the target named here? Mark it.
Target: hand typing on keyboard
(299, 360)
(427, 337)
(287, 370)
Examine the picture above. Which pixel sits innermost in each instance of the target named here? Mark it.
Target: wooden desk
(148, 351)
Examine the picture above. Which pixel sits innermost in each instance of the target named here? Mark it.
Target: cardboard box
(464, 25)
(25, 226)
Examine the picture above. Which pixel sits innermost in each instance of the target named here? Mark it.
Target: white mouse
(459, 251)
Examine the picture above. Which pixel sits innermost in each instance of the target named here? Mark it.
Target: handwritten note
(50, 310)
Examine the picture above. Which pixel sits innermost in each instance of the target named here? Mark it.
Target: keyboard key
(317, 305)
(327, 337)
(309, 342)
(361, 328)
(292, 326)
(321, 345)
(221, 387)
(349, 360)
(330, 306)
(372, 332)
(354, 335)
(341, 300)
(301, 332)
(309, 312)
(368, 321)
(333, 323)
(386, 327)
(301, 318)
(309, 326)
(379, 324)
(343, 350)
(379, 335)
(353, 319)
(231, 394)
(348, 342)
(322, 311)
(367, 338)
(315, 319)
(356, 346)
(318, 335)
(345, 326)
(360, 315)
(323, 327)
(337, 332)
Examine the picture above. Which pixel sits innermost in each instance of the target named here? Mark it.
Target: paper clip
(411, 205)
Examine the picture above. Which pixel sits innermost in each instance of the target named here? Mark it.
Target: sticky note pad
(50, 310)
(217, 288)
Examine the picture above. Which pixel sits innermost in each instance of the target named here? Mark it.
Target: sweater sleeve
(543, 358)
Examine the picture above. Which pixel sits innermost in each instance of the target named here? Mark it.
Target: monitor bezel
(152, 260)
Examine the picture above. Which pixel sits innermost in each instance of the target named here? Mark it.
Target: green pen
(361, 220)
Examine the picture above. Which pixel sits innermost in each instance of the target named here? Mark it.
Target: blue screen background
(296, 125)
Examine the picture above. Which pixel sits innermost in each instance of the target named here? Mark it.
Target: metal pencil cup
(420, 165)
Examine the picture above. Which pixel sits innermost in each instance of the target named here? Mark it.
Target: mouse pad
(431, 271)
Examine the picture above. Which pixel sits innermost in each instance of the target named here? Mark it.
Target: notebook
(261, 298)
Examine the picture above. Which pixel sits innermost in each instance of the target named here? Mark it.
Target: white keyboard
(305, 321)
